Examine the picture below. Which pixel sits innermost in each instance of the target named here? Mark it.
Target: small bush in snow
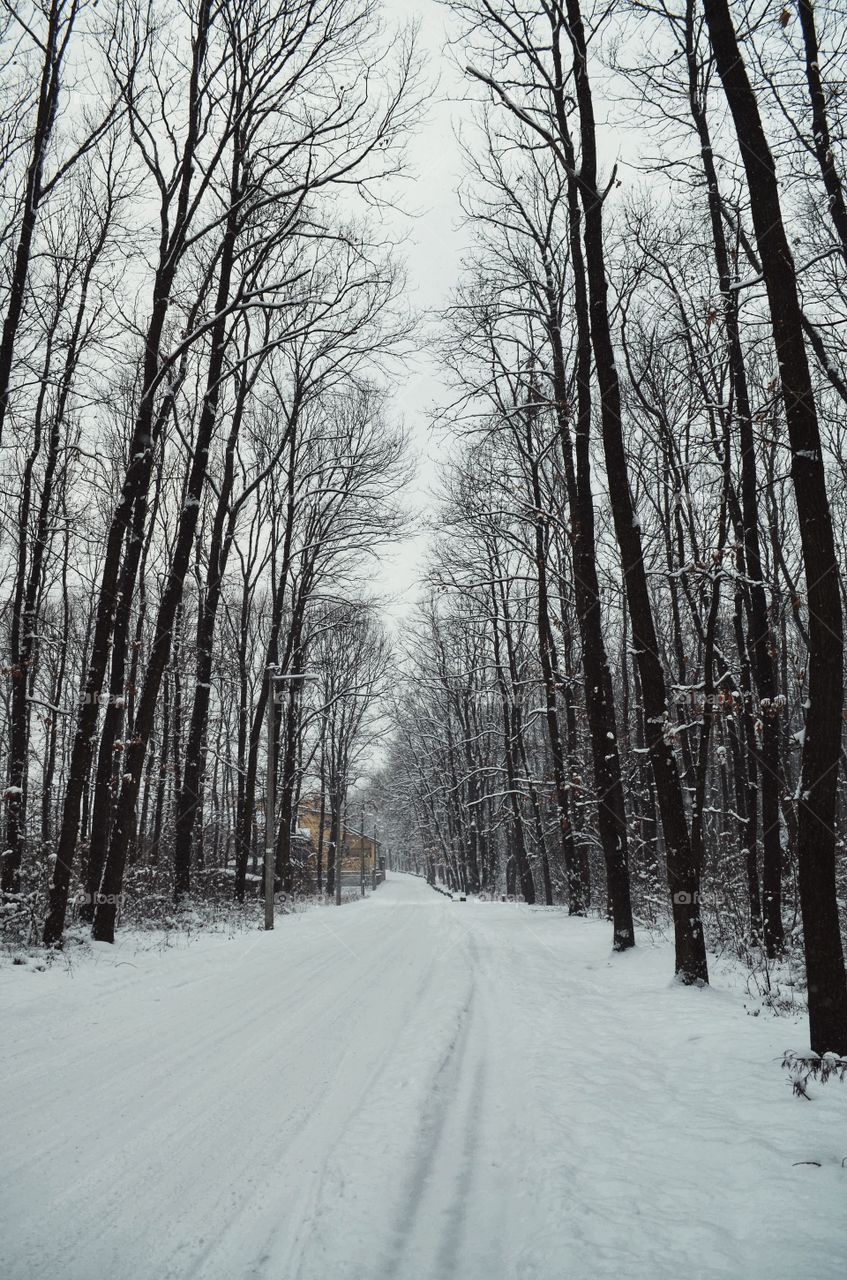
(803, 1067)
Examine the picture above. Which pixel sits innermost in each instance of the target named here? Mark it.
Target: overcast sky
(432, 251)
(434, 241)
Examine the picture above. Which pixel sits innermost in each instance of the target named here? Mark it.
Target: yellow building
(354, 842)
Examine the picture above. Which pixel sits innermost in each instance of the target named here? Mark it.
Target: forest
(619, 685)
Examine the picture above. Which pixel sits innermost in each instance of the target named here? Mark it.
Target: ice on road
(408, 1088)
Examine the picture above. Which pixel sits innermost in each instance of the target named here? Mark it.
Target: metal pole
(270, 807)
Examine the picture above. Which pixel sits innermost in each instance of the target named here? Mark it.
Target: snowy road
(407, 1089)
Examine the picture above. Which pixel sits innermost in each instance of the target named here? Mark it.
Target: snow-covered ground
(407, 1089)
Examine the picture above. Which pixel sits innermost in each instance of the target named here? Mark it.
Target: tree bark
(827, 984)
(683, 875)
(760, 639)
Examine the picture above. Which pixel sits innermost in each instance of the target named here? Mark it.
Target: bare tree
(822, 741)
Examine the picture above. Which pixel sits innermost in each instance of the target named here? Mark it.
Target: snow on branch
(803, 1067)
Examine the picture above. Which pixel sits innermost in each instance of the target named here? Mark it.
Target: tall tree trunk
(821, 138)
(30, 577)
(247, 797)
(760, 639)
(684, 881)
(220, 545)
(171, 601)
(822, 742)
(60, 13)
(134, 488)
(599, 696)
(110, 753)
(524, 871)
(575, 867)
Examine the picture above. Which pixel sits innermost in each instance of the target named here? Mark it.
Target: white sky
(432, 251)
(433, 245)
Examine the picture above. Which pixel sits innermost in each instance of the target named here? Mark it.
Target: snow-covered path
(407, 1089)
